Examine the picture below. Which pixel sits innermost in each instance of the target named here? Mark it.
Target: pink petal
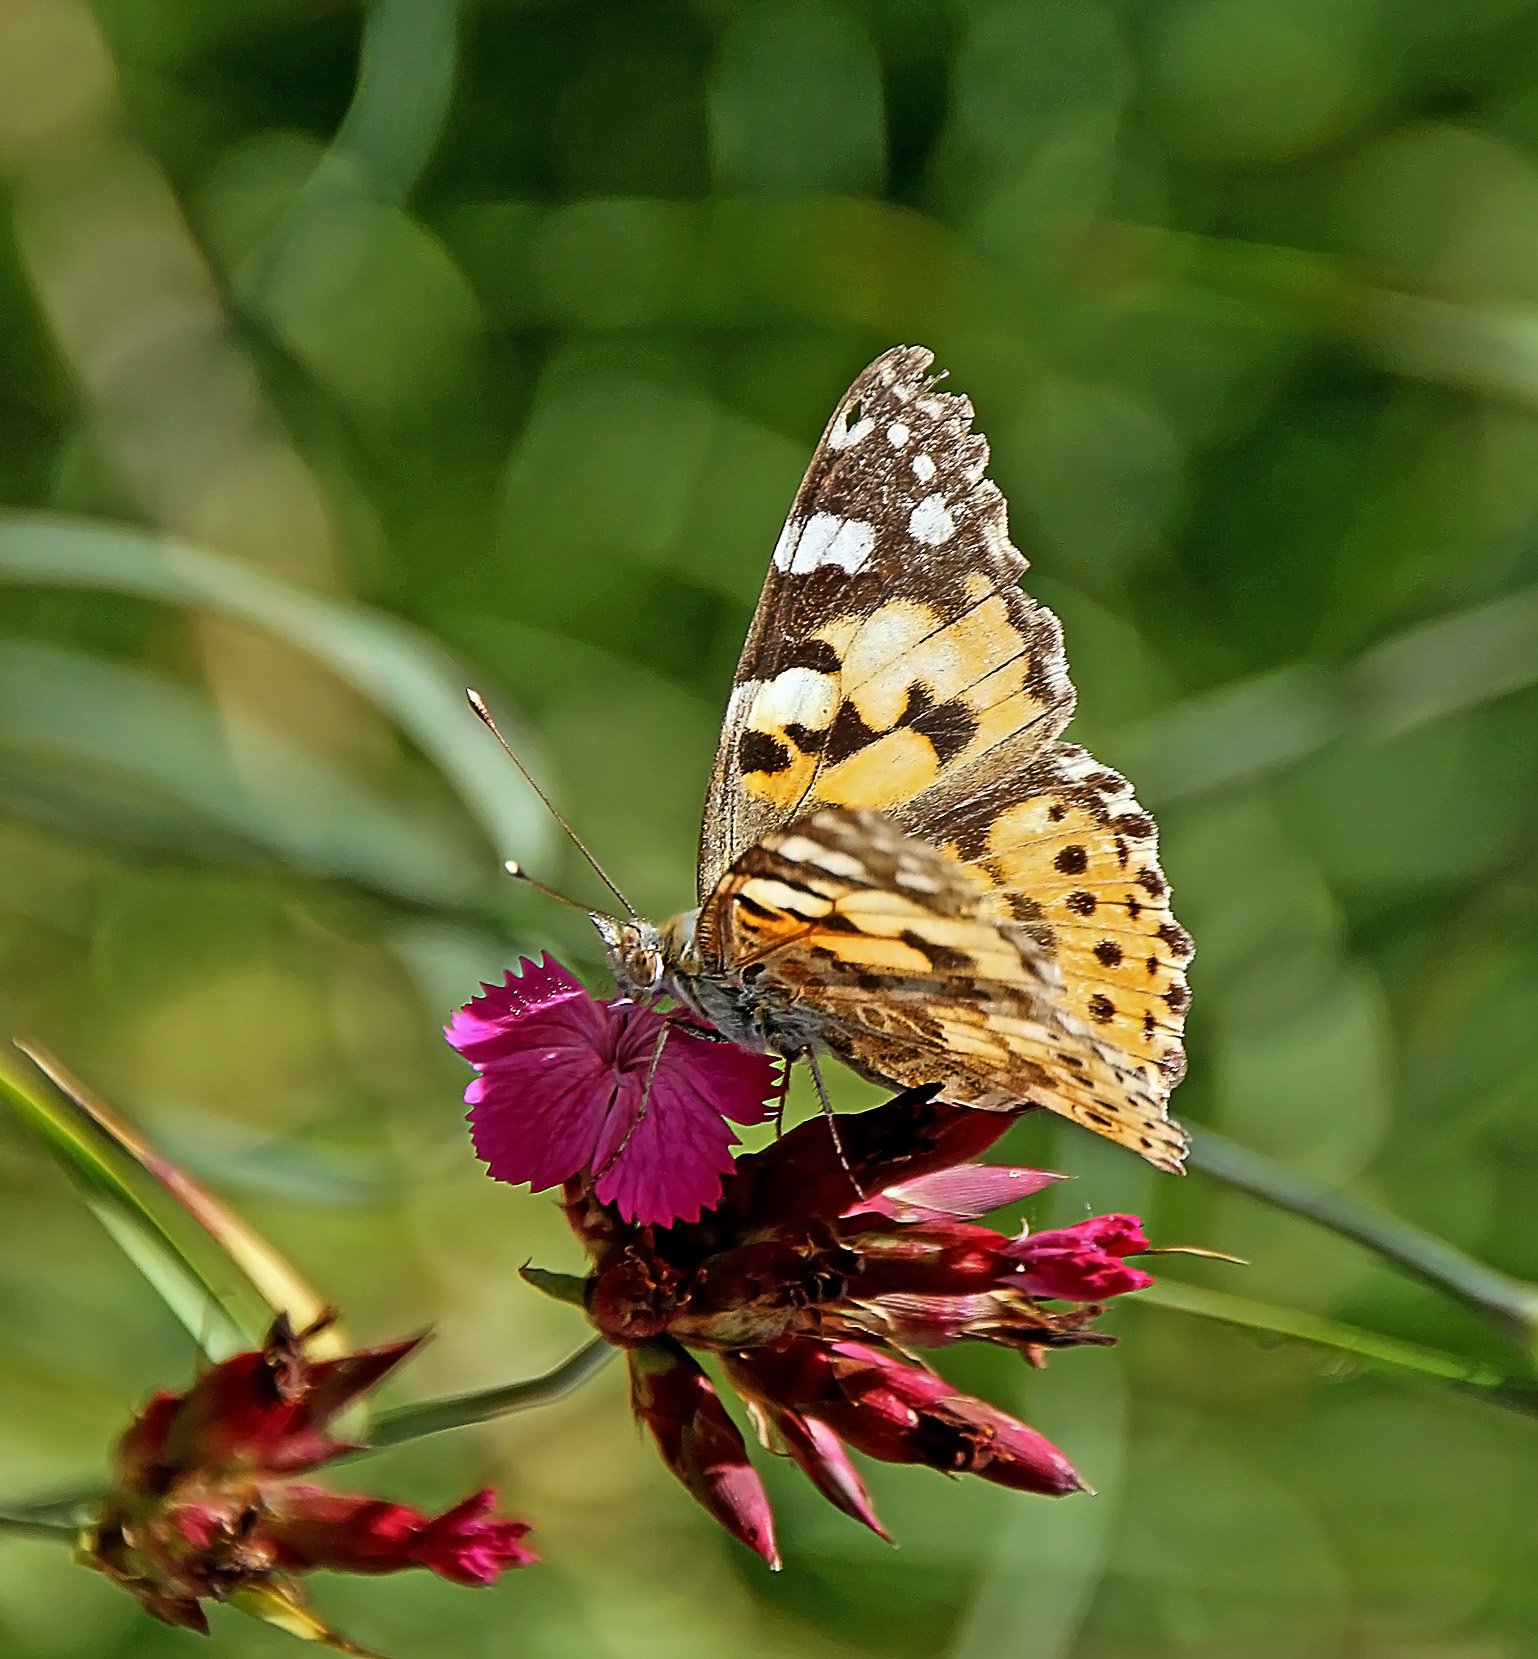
(680, 1407)
(671, 1166)
(563, 1091)
(822, 1458)
(909, 1137)
(967, 1191)
(536, 1114)
(480, 1028)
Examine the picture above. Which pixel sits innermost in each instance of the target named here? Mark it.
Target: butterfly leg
(646, 1098)
(810, 1056)
(781, 1100)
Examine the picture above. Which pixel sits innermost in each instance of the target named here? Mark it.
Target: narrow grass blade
(223, 1281)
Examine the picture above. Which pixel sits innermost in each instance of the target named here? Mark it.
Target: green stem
(1508, 1303)
(21, 1524)
(413, 1422)
(1370, 1349)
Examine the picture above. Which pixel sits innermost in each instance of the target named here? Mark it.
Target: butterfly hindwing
(917, 974)
(892, 647)
(1063, 841)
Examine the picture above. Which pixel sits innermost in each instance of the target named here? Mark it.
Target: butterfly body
(900, 860)
(649, 961)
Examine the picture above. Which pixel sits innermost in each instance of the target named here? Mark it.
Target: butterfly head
(635, 952)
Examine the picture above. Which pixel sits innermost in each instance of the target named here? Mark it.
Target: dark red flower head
(202, 1506)
(634, 1100)
(812, 1282)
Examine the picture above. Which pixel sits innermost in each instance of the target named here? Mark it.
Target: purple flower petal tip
(636, 1099)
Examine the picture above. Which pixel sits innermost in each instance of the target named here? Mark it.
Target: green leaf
(404, 672)
(560, 1287)
(413, 1422)
(222, 1280)
(112, 749)
(16, 1523)
(279, 1603)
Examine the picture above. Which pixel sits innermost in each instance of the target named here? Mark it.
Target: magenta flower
(632, 1100)
(813, 1291)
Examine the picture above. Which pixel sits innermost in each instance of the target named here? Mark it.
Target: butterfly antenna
(518, 873)
(483, 714)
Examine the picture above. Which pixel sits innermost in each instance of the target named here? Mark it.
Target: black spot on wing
(751, 907)
(940, 957)
(1072, 860)
(1176, 937)
(758, 752)
(848, 735)
(950, 727)
(809, 740)
(815, 654)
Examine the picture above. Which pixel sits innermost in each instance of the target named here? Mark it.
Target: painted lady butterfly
(900, 862)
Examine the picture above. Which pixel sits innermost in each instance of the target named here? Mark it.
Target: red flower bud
(900, 1413)
(1083, 1263)
(679, 1405)
(202, 1507)
(310, 1527)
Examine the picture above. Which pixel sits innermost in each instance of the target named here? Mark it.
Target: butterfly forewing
(892, 646)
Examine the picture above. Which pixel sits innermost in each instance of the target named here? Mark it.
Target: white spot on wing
(931, 522)
(831, 540)
(785, 547)
(795, 697)
(842, 437)
(924, 468)
(897, 434)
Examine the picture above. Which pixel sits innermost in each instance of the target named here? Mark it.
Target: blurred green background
(439, 342)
